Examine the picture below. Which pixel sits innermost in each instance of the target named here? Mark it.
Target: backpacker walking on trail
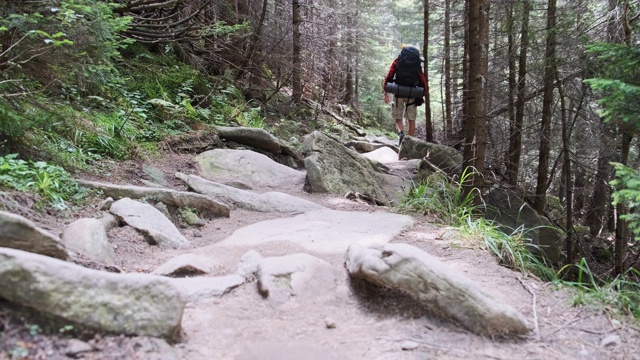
(406, 81)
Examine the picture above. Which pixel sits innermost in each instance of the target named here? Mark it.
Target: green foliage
(618, 81)
(626, 187)
(620, 295)
(448, 201)
(49, 180)
(437, 196)
(513, 250)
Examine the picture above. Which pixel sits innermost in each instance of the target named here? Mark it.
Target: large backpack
(408, 67)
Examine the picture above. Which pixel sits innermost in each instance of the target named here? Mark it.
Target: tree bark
(297, 50)
(425, 53)
(515, 131)
(448, 112)
(547, 110)
(478, 71)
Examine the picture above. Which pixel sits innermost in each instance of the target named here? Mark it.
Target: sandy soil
(370, 323)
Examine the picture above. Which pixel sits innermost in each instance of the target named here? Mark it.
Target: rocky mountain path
(272, 284)
(355, 320)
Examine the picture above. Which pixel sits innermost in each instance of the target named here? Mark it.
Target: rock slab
(324, 231)
(132, 304)
(20, 233)
(267, 202)
(440, 288)
(247, 167)
(155, 227)
(89, 237)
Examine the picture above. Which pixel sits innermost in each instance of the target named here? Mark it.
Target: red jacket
(422, 81)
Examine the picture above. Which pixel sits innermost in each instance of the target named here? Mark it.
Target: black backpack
(408, 67)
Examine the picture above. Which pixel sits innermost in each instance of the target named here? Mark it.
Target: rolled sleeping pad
(404, 91)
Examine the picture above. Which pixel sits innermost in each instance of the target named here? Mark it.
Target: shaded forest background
(540, 96)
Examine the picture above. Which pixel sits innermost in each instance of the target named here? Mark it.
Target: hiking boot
(401, 136)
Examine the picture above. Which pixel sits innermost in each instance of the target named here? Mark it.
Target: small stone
(330, 323)
(409, 345)
(105, 204)
(610, 340)
(76, 347)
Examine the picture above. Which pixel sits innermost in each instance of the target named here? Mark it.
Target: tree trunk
(448, 116)
(515, 137)
(596, 211)
(425, 53)
(622, 228)
(297, 53)
(547, 110)
(566, 174)
(478, 71)
(247, 64)
(466, 129)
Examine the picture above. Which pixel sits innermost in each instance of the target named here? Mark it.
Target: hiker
(405, 80)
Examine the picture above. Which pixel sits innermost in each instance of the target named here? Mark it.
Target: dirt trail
(355, 320)
(372, 323)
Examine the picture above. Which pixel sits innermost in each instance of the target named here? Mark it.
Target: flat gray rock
(438, 287)
(89, 237)
(146, 219)
(205, 206)
(186, 265)
(247, 167)
(17, 232)
(299, 276)
(132, 304)
(204, 288)
(234, 197)
(324, 231)
(383, 155)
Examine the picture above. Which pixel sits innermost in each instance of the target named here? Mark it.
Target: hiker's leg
(397, 111)
(399, 125)
(412, 128)
(412, 113)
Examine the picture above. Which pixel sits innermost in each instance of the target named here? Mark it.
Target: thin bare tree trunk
(448, 113)
(547, 110)
(515, 136)
(425, 53)
(297, 53)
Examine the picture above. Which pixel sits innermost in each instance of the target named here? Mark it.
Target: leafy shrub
(49, 180)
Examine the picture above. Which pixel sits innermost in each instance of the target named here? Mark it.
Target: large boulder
(17, 232)
(252, 169)
(267, 202)
(333, 168)
(443, 157)
(132, 304)
(89, 237)
(146, 219)
(257, 138)
(513, 214)
(438, 287)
